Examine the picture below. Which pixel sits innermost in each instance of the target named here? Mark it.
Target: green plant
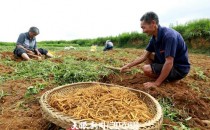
(183, 127)
(22, 105)
(200, 51)
(172, 114)
(194, 86)
(180, 127)
(41, 86)
(200, 74)
(70, 72)
(195, 28)
(134, 71)
(168, 111)
(3, 94)
(32, 90)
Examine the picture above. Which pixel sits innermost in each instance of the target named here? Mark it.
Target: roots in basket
(102, 104)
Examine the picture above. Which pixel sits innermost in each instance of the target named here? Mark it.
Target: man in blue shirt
(26, 45)
(166, 52)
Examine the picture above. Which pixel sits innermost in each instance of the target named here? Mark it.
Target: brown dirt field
(17, 113)
(113, 54)
(57, 60)
(191, 95)
(10, 55)
(5, 69)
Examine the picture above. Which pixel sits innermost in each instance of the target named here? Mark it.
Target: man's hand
(38, 53)
(150, 84)
(139, 60)
(30, 52)
(124, 68)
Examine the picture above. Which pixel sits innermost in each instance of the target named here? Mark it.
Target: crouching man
(108, 45)
(27, 46)
(166, 53)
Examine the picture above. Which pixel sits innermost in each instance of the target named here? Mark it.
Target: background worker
(108, 45)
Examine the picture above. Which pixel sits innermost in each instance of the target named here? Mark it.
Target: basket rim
(60, 115)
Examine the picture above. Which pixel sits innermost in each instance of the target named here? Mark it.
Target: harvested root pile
(102, 104)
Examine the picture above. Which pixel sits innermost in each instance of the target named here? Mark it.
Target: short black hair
(149, 16)
(34, 30)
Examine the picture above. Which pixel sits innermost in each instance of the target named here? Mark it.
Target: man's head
(149, 23)
(33, 32)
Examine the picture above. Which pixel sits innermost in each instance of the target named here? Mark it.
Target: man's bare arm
(165, 70)
(20, 46)
(139, 60)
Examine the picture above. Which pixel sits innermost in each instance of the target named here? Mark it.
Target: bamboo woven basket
(66, 121)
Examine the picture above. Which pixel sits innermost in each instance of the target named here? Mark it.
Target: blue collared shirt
(26, 41)
(170, 43)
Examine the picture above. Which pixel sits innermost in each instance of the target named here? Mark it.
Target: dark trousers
(20, 51)
(108, 48)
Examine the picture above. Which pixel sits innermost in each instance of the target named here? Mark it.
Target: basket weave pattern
(66, 121)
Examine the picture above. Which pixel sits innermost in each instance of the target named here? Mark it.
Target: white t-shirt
(110, 44)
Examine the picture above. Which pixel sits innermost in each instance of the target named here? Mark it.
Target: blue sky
(73, 19)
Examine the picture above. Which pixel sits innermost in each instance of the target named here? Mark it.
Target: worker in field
(166, 53)
(27, 46)
(108, 45)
